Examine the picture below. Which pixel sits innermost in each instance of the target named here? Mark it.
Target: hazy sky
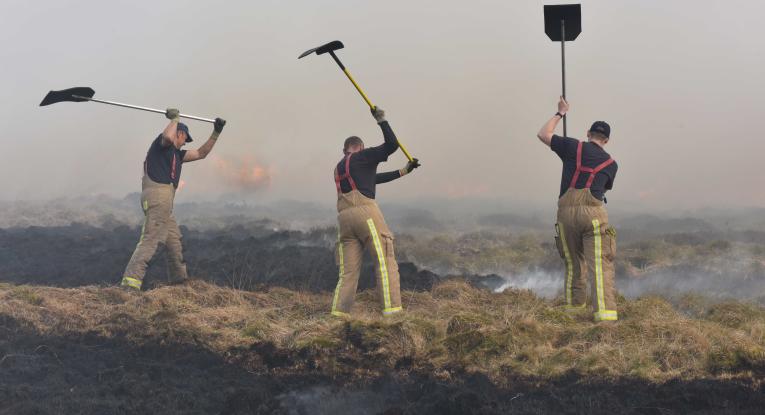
(466, 85)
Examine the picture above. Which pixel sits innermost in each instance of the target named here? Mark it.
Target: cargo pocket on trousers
(559, 242)
(610, 245)
(390, 256)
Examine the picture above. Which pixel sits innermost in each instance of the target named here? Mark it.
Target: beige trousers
(587, 243)
(361, 226)
(159, 227)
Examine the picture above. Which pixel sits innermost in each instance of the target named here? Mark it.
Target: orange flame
(646, 194)
(245, 173)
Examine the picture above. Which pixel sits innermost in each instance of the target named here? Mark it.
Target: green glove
(172, 114)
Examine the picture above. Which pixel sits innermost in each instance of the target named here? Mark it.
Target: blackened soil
(88, 374)
(79, 254)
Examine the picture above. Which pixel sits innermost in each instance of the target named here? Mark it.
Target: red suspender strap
(346, 175)
(578, 166)
(172, 169)
(348, 172)
(596, 170)
(591, 171)
(337, 181)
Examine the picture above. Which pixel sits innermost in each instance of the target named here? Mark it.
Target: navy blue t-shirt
(363, 165)
(163, 164)
(592, 156)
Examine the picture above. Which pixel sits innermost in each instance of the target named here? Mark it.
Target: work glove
(219, 124)
(409, 167)
(379, 114)
(172, 114)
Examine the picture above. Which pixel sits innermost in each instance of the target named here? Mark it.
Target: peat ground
(203, 349)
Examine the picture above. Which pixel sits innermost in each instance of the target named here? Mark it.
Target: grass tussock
(453, 325)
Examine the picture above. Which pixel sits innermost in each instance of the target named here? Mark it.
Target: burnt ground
(243, 257)
(89, 374)
(256, 254)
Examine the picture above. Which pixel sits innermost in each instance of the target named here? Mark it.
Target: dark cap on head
(601, 127)
(185, 128)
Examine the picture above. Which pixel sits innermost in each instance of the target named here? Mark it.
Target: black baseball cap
(601, 127)
(185, 128)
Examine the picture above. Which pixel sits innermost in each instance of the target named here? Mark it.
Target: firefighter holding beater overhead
(161, 176)
(585, 239)
(361, 225)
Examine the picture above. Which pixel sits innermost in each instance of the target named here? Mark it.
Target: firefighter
(584, 238)
(360, 222)
(161, 175)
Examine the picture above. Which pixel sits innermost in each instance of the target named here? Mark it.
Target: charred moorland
(483, 330)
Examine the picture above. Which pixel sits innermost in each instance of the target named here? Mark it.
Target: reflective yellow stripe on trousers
(145, 207)
(342, 272)
(393, 310)
(606, 316)
(132, 282)
(569, 266)
(381, 260)
(599, 266)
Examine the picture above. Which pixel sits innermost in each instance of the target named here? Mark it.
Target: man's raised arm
(168, 135)
(206, 148)
(391, 143)
(546, 132)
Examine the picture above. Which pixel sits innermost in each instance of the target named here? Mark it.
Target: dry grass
(453, 325)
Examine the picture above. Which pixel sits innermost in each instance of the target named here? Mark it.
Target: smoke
(243, 173)
(542, 283)
(660, 256)
(466, 190)
(744, 280)
(327, 400)
(719, 285)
